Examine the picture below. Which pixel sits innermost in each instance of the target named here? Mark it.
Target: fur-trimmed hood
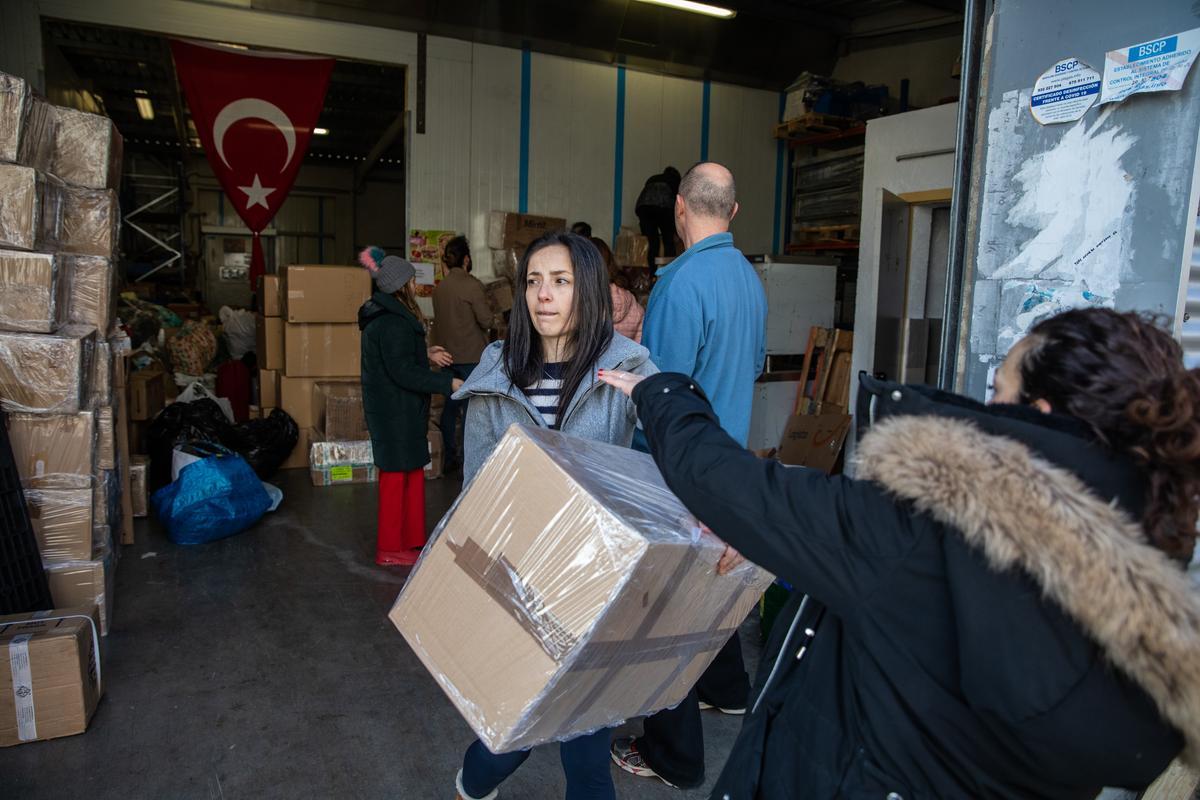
(1086, 555)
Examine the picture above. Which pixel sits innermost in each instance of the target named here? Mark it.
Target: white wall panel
(740, 138)
(439, 172)
(495, 113)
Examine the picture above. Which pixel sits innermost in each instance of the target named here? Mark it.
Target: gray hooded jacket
(597, 411)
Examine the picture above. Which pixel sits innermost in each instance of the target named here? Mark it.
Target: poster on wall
(425, 249)
(1065, 92)
(1160, 65)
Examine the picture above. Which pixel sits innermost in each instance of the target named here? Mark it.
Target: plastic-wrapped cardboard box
(87, 149)
(138, 486)
(268, 345)
(91, 219)
(62, 522)
(50, 679)
(332, 461)
(91, 291)
(54, 450)
(46, 373)
(505, 262)
(104, 366)
(32, 292)
(26, 125)
(324, 294)
(298, 397)
(86, 582)
(319, 350)
(510, 229)
(338, 410)
(31, 208)
(573, 560)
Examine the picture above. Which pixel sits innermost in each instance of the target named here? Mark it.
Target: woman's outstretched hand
(440, 356)
(625, 381)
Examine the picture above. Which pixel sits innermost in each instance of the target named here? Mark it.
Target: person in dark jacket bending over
(397, 382)
(996, 606)
(655, 209)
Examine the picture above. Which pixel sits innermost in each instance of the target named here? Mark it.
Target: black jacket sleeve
(832, 537)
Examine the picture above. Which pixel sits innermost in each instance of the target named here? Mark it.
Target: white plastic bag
(198, 391)
(238, 325)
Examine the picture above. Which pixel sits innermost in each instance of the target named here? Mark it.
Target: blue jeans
(450, 412)
(585, 761)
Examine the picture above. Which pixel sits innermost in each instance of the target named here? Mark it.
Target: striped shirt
(545, 393)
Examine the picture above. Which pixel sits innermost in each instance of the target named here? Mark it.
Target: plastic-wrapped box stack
(59, 372)
(308, 334)
(341, 446)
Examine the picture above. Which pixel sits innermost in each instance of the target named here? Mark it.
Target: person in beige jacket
(462, 317)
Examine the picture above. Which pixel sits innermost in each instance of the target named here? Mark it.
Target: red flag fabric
(254, 112)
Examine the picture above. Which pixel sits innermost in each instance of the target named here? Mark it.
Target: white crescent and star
(254, 108)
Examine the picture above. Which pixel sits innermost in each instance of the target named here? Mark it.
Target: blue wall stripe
(779, 148)
(704, 107)
(619, 156)
(523, 180)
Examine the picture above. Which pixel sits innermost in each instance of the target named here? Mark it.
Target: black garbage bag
(267, 443)
(181, 423)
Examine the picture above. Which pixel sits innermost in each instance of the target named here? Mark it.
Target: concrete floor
(264, 666)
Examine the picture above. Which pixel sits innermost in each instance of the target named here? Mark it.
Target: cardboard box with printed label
(269, 342)
(332, 462)
(49, 674)
(320, 350)
(324, 294)
(573, 559)
(511, 229)
(270, 298)
(814, 440)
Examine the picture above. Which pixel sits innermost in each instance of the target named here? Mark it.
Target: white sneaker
(735, 712)
(462, 793)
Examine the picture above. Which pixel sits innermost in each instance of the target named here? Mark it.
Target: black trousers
(672, 742)
(658, 225)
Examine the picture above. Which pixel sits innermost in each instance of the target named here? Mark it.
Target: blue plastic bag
(212, 498)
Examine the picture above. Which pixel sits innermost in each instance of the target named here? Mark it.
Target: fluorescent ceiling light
(695, 8)
(144, 106)
(321, 131)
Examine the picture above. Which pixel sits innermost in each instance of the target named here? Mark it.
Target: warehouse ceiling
(767, 44)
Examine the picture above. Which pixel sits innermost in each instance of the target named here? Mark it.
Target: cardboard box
(268, 388)
(138, 483)
(26, 125)
(814, 440)
(32, 292)
(91, 295)
(91, 221)
(505, 263)
(588, 575)
(324, 294)
(87, 149)
(270, 296)
(46, 373)
(30, 209)
(104, 366)
(299, 457)
(106, 438)
(50, 678)
(269, 342)
(320, 350)
(54, 449)
(147, 394)
(62, 523)
(500, 295)
(333, 462)
(84, 583)
(510, 229)
(337, 409)
(123, 450)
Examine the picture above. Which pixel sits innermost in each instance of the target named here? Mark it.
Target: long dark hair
(1123, 375)
(591, 311)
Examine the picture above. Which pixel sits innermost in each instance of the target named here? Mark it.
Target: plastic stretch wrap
(62, 522)
(91, 219)
(26, 125)
(333, 461)
(106, 438)
(103, 375)
(31, 208)
(506, 261)
(338, 411)
(106, 497)
(46, 374)
(568, 590)
(87, 149)
(91, 296)
(85, 582)
(139, 485)
(32, 292)
(54, 451)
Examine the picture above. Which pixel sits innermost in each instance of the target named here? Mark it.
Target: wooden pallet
(813, 123)
(826, 233)
(828, 354)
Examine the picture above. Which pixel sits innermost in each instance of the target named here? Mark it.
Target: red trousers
(401, 517)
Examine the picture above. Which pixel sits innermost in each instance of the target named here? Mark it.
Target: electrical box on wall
(227, 266)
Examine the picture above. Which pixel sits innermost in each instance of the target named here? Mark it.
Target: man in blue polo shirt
(707, 319)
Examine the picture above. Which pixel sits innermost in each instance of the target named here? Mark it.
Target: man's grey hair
(706, 197)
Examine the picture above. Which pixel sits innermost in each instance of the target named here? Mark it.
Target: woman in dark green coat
(397, 382)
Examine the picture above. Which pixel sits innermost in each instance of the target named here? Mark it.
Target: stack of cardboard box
(60, 377)
(308, 333)
(509, 236)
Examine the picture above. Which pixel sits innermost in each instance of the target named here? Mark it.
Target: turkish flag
(254, 112)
